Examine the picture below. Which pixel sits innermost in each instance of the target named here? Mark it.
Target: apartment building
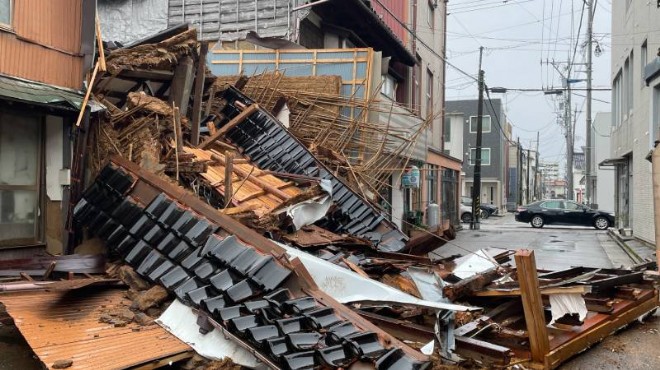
(635, 112)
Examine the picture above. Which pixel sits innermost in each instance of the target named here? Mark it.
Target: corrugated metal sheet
(53, 29)
(398, 12)
(65, 325)
(55, 23)
(31, 92)
(229, 20)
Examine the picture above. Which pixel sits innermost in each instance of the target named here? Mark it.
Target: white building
(603, 181)
(635, 111)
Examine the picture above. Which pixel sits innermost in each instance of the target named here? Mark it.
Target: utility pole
(476, 187)
(527, 174)
(568, 122)
(520, 182)
(587, 150)
(537, 187)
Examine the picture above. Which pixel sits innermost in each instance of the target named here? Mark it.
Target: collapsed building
(243, 214)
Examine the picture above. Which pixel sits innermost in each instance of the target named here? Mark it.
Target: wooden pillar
(532, 304)
(199, 90)
(182, 85)
(229, 173)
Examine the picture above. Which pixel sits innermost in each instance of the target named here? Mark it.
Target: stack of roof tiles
(230, 281)
(271, 146)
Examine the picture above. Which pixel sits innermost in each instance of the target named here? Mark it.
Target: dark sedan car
(563, 212)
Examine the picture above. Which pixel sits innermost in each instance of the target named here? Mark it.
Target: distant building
(494, 152)
(635, 112)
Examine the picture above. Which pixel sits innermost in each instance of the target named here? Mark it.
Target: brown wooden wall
(44, 43)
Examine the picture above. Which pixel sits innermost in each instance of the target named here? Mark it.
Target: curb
(622, 244)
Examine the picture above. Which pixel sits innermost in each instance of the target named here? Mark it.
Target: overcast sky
(517, 36)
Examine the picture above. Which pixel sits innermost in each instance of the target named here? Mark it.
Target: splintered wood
(361, 150)
(251, 187)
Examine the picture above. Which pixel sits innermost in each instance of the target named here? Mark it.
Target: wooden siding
(45, 41)
(399, 9)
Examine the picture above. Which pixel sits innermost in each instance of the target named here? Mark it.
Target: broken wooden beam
(199, 90)
(229, 125)
(532, 304)
(472, 284)
(229, 174)
(182, 85)
(580, 289)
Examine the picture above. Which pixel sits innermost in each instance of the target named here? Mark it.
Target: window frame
(429, 94)
(643, 59)
(473, 157)
(37, 187)
(483, 127)
(430, 19)
(8, 26)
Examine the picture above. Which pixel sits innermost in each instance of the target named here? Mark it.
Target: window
(431, 14)
(656, 114)
(417, 86)
(572, 206)
(446, 129)
(389, 86)
(552, 204)
(617, 104)
(485, 124)
(5, 12)
(429, 95)
(432, 183)
(19, 179)
(485, 156)
(644, 58)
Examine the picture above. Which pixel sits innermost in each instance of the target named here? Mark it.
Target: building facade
(494, 153)
(635, 112)
(45, 48)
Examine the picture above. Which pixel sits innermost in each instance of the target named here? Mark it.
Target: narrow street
(556, 247)
(562, 247)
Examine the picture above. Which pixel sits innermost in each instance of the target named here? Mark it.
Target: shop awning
(613, 161)
(25, 91)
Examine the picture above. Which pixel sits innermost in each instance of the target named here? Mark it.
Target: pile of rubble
(251, 244)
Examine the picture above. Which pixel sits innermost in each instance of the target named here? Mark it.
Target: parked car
(563, 212)
(486, 209)
(466, 213)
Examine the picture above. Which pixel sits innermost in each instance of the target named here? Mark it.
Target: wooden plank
(581, 289)
(229, 173)
(532, 304)
(83, 106)
(231, 124)
(99, 43)
(199, 90)
(182, 85)
(143, 74)
(254, 179)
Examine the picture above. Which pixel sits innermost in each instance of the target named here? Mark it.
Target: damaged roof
(65, 325)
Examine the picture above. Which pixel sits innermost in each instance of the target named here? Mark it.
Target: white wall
(604, 192)
(633, 136)
(455, 143)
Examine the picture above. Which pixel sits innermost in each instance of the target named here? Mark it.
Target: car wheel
(537, 222)
(466, 217)
(484, 214)
(601, 223)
